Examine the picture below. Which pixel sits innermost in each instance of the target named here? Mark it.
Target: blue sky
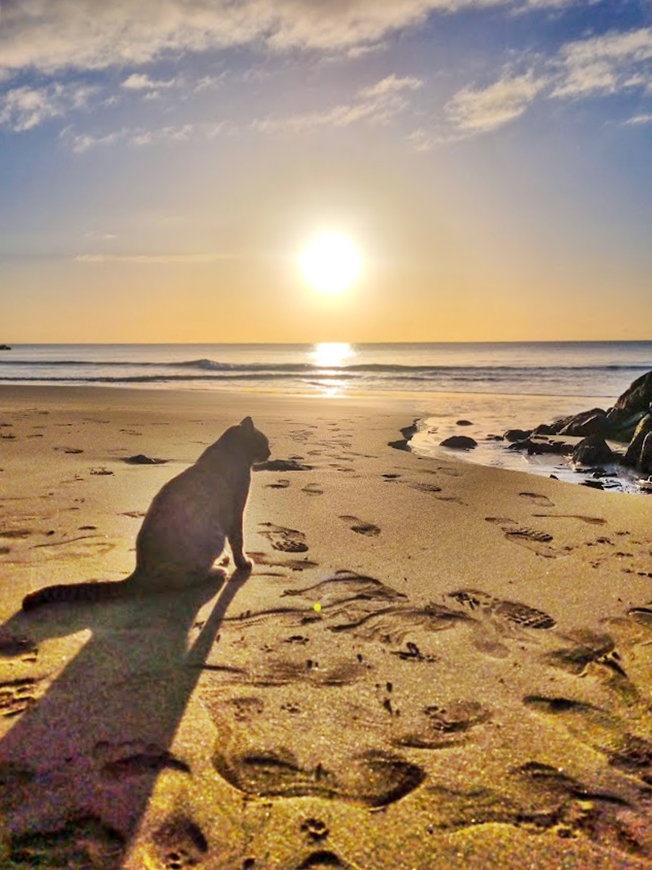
(162, 164)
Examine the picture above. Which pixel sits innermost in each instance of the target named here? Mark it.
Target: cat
(186, 526)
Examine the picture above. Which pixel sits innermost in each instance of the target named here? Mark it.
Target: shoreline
(472, 690)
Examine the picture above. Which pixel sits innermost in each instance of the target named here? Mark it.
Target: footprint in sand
(513, 611)
(314, 829)
(592, 654)
(180, 843)
(423, 486)
(84, 841)
(322, 860)
(270, 561)
(392, 624)
(18, 695)
(437, 727)
(279, 484)
(347, 586)
(373, 778)
(285, 540)
(120, 761)
(531, 539)
(312, 489)
(592, 521)
(360, 526)
(536, 498)
(602, 731)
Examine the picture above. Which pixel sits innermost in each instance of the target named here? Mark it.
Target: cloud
(152, 258)
(23, 108)
(605, 64)
(482, 109)
(638, 120)
(391, 85)
(597, 66)
(139, 82)
(376, 104)
(90, 34)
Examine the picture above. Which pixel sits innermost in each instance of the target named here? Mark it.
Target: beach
(433, 664)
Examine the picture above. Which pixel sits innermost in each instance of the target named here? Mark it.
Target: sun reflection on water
(330, 357)
(332, 353)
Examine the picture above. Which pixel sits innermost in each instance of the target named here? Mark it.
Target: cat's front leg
(236, 539)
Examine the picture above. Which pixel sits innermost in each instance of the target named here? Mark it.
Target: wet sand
(433, 664)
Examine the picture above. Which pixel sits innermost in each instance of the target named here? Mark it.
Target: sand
(432, 665)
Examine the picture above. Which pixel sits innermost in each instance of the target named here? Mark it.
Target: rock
(634, 400)
(593, 484)
(593, 422)
(645, 459)
(464, 423)
(544, 429)
(141, 459)
(535, 448)
(623, 429)
(593, 450)
(633, 452)
(407, 432)
(459, 442)
(517, 434)
(494, 438)
(4, 347)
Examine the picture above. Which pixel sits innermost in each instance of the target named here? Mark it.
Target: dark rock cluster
(628, 422)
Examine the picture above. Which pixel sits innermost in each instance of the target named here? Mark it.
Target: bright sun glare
(330, 263)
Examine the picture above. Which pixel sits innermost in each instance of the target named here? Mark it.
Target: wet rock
(459, 442)
(538, 447)
(623, 429)
(517, 434)
(593, 450)
(407, 432)
(464, 423)
(544, 429)
(633, 452)
(645, 459)
(634, 400)
(593, 422)
(593, 484)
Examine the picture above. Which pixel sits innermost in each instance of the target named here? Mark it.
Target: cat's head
(257, 443)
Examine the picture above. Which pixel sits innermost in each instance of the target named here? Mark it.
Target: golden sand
(432, 665)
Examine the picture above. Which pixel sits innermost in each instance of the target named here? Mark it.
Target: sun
(330, 263)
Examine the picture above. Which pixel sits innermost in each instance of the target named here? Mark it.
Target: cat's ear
(247, 424)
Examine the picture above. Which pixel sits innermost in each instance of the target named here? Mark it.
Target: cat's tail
(105, 590)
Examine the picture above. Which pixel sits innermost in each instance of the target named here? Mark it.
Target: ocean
(491, 386)
(600, 369)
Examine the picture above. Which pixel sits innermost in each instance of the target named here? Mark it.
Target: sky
(164, 165)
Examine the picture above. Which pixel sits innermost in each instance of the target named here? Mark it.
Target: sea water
(495, 386)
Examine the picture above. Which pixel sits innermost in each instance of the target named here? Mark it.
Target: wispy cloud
(594, 67)
(482, 109)
(639, 120)
(139, 137)
(26, 107)
(605, 64)
(375, 104)
(89, 34)
(140, 82)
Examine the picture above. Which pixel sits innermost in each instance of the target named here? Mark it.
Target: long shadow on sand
(78, 766)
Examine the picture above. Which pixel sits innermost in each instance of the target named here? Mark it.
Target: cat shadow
(95, 741)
